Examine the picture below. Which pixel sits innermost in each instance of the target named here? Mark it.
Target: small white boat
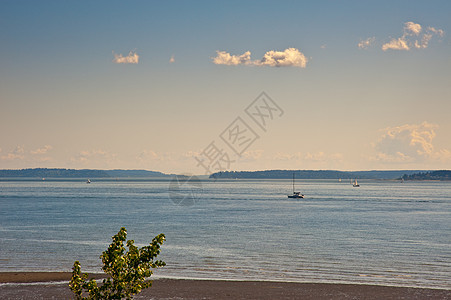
(355, 184)
(88, 181)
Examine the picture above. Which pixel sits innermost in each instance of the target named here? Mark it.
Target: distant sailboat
(88, 181)
(355, 184)
(297, 195)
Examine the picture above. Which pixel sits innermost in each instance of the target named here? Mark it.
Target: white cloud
(413, 37)
(131, 58)
(396, 44)
(409, 143)
(290, 57)
(397, 157)
(287, 156)
(172, 59)
(307, 160)
(148, 155)
(365, 44)
(443, 155)
(251, 155)
(16, 154)
(95, 158)
(412, 28)
(176, 162)
(424, 41)
(438, 32)
(12, 156)
(224, 58)
(27, 158)
(42, 150)
(191, 154)
(319, 156)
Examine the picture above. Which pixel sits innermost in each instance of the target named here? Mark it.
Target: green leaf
(127, 270)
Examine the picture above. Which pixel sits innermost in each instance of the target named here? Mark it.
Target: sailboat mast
(293, 183)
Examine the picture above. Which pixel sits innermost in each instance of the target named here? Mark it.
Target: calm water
(384, 232)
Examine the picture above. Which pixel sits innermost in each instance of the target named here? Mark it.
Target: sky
(202, 86)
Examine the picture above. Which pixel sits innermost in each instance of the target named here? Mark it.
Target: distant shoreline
(98, 174)
(76, 173)
(206, 179)
(333, 174)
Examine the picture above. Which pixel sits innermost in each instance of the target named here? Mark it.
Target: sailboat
(295, 194)
(355, 184)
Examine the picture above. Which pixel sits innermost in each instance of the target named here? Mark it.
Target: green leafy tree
(127, 270)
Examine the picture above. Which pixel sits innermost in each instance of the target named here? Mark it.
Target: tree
(127, 270)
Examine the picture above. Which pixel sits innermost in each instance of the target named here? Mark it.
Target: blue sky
(385, 104)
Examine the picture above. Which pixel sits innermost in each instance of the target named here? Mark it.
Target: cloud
(27, 157)
(251, 155)
(39, 155)
(224, 58)
(19, 150)
(148, 155)
(287, 156)
(443, 155)
(365, 44)
(396, 44)
(413, 37)
(290, 57)
(131, 58)
(191, 154)
(42, 150)
(153, 160)
(412, 28)
(409, 143)
(319, 156)
(16, 154)
(438, 32)
(172, 59)
(95, 158)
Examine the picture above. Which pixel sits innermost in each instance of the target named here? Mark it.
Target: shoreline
(40, 277)
(48, 285)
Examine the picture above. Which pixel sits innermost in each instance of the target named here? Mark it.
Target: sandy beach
(43, 285)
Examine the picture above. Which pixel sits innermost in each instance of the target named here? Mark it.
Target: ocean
(385, 232)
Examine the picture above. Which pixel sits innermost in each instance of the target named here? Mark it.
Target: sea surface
(385, 232)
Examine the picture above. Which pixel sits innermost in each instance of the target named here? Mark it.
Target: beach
(54, 285)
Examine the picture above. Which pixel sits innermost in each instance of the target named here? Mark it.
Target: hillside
(434, 175)
(312, 174)
(72, 173)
